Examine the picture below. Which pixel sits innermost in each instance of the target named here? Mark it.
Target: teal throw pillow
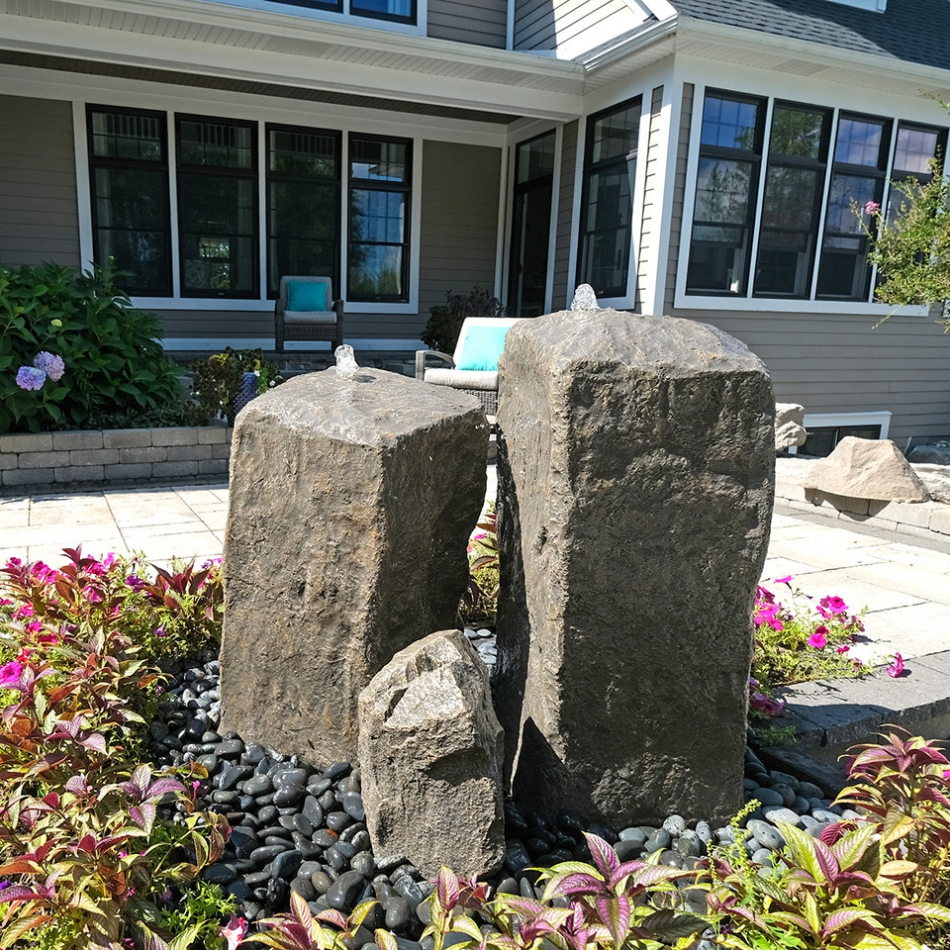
(482, 347)
(306, 295)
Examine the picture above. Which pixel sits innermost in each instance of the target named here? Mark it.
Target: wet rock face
(431, 750)
(636, 472)
(351, 503)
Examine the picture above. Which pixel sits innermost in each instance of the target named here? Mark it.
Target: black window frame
(592, 168)
(366, 184)
(410, 20)
(754, 158)
(97, 161)
(252, 174)
(272, 277)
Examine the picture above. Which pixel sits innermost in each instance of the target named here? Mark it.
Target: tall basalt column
(352, 500)
(636, 476)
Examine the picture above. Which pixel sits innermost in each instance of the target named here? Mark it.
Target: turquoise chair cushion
(481, 347)
(306, 295)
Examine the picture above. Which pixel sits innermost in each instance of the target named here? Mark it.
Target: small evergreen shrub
(445, 320)
(75, 354)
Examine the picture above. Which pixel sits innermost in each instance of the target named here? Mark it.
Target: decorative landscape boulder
(933, 453)
(936, 479)
(636, 479)
(789, 425)
(867, 468)
(431, 752)
(352, 500)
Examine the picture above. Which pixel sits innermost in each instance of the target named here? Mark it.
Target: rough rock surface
(789, 425)
(636, 466)
(431, 750)
(351, 505)
(936, 479)
(867, 468)
(936, 453)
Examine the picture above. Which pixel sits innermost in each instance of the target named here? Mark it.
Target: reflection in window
(303, 204)
(130, 202)
(379, 197)
(610, 167)
(798, 148)
(401, 10)
(530, 226)
(857, 176)
(726, 184)
(217, 208)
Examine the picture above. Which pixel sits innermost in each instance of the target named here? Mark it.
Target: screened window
(726, 188)
(217, 207)
(858, 174)
(791, 205)
(128, 158)
(303, 204)
(380, 183)
(610, 168)
(530, 226)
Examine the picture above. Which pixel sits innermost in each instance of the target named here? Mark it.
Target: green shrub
(218, 379)
(445, 320)
(75, 354)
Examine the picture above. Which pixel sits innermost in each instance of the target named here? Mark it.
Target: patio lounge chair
(473, 367)
(306, 310)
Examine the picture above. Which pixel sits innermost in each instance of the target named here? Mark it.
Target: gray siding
(835, 362)
(482, 22)
(459, 227)
(651, 220)
(39, 218)
(544, 24)
(563, 266)
(219, 323)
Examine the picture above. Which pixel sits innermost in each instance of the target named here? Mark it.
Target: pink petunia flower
(10, 675)
(818, 639)
(896, 666)
(844, 648)
(787, 580)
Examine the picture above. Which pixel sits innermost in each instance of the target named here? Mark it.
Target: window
(822, 440)
(217, 207)
(399, 11)
(791, 205)
(726, 184)
(530, 226)
(128, 158)
(379, 200)
(610, 167)
(811, 166)
(303, 204)
(860, 162)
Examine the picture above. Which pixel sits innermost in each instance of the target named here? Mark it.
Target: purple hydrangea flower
(30, 377)
(51, 364)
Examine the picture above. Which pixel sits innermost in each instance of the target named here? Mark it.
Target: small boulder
(789, 425)
(936, 453)
(867, 468)
(431, 751)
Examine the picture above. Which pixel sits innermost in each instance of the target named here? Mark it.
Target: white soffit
(204, 38)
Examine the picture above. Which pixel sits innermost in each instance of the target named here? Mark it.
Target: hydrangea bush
(75, 354)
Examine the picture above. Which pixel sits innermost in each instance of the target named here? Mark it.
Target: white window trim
(819, 420)
(748, 303)
(419, 28)
(262, 303)
(629, 300)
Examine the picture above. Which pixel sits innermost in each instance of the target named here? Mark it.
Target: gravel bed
(301, 829)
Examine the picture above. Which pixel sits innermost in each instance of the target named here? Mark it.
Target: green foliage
(218, 379)
(115, 371)
(479, 603)
(912, 250)
(441, 332)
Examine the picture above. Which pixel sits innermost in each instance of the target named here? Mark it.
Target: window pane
(615, 135)
(844, 190)
(535, 159)
(790, 199)
(723, 191)
(387, 8)
(915, 148)
(131, 136)
(217, 220)
(378, 161)
(728, 123)
(605, 237)
(217, 144)
(375, 270)
(796, 133)
(377, 215)
(298, 152)
(859, 142)
(527, 280)
(304, 210)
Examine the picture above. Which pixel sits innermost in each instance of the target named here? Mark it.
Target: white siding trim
(216, 344)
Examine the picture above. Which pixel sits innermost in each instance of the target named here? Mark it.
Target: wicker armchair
(299, 324)
(460, 373)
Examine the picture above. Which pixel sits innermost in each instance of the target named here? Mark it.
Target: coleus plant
(302, 930)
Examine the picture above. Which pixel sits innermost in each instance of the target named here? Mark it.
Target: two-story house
(696, 158)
